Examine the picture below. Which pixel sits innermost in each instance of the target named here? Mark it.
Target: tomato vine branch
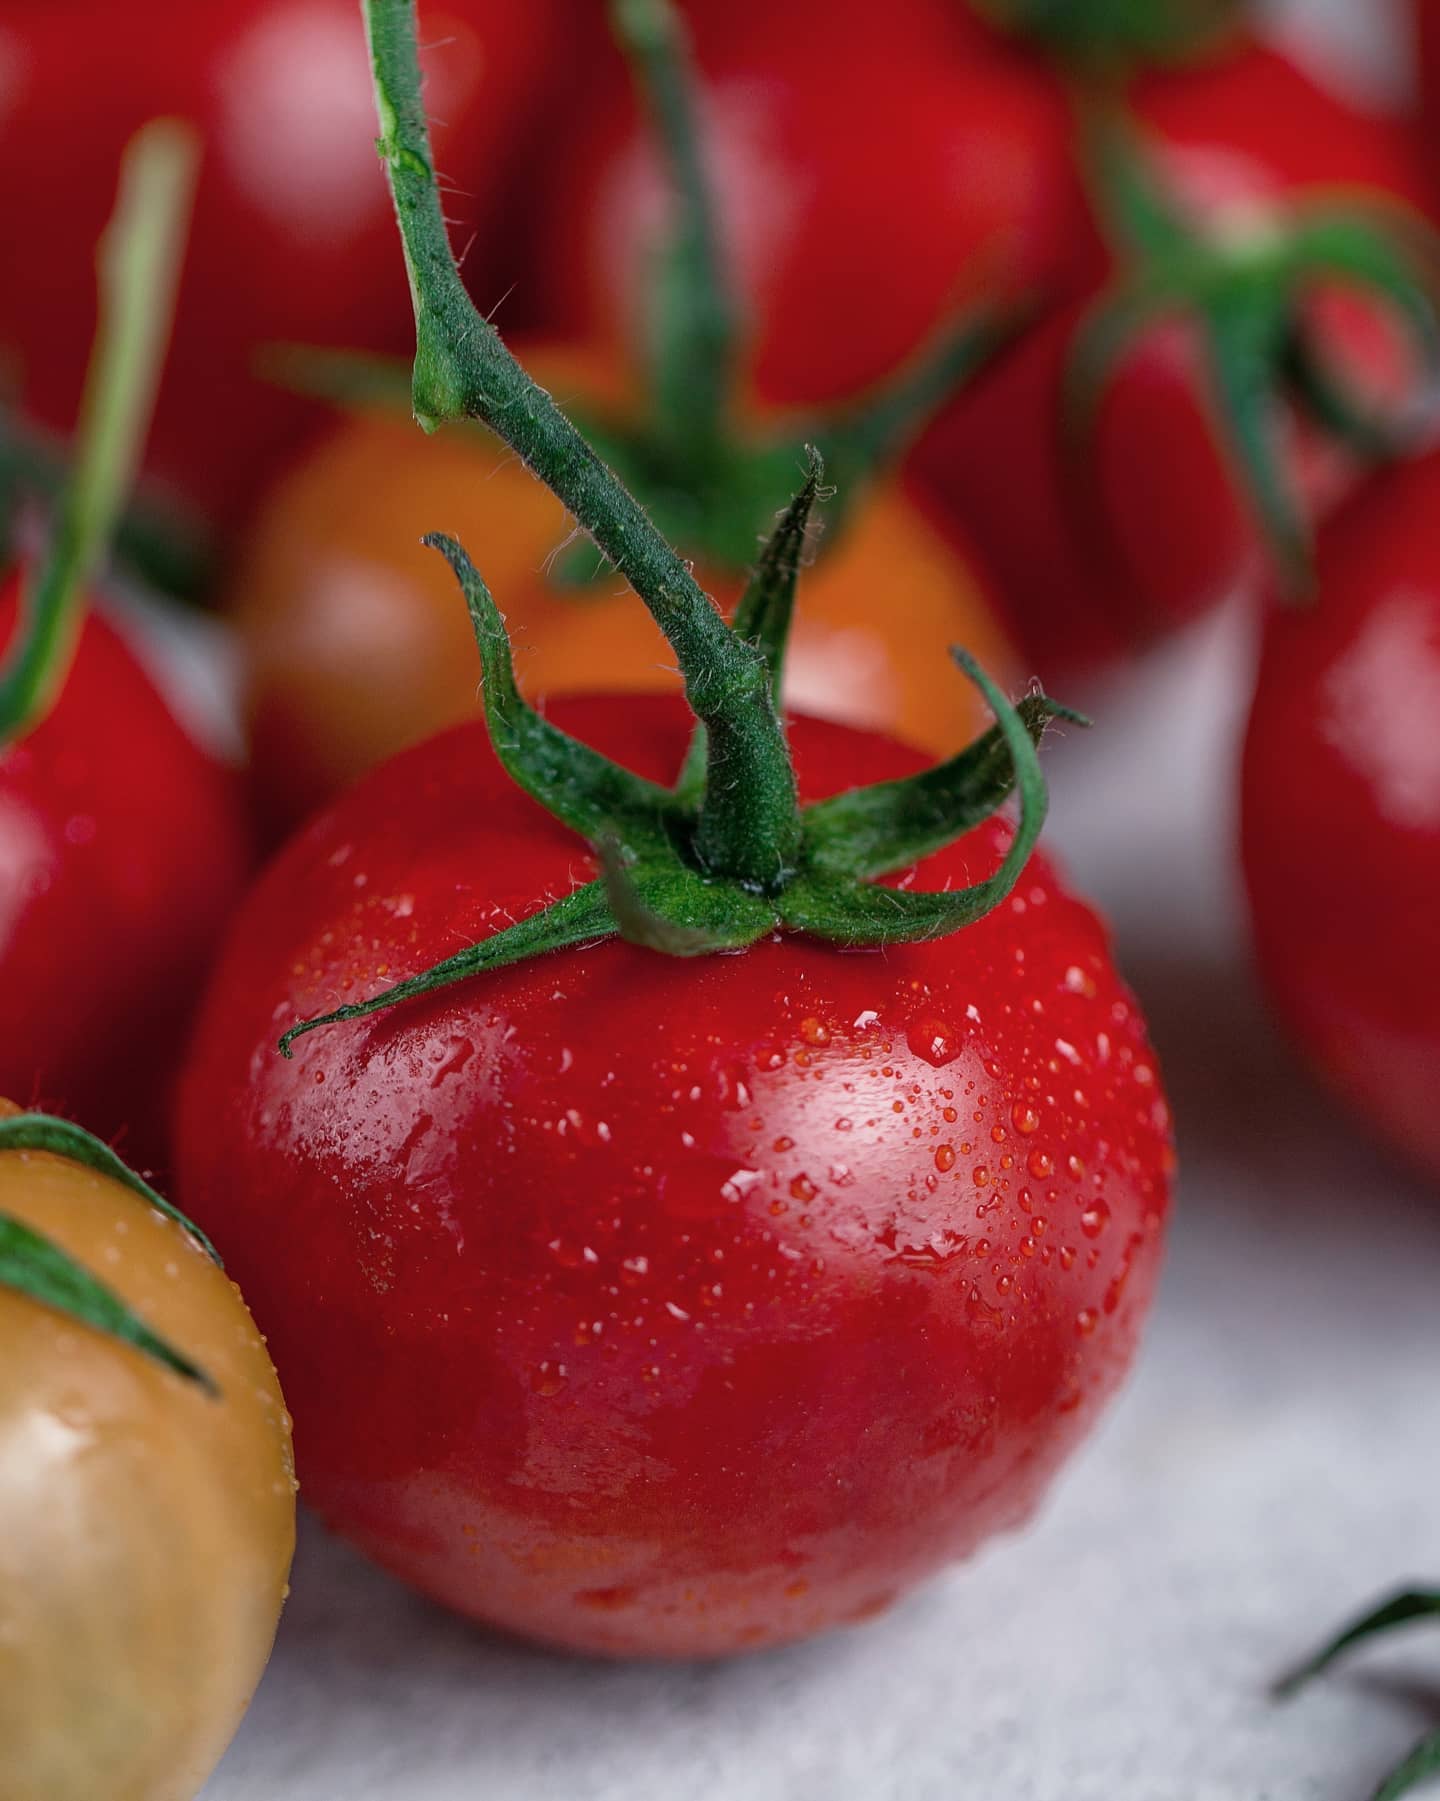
(139, 266)
(750, 819)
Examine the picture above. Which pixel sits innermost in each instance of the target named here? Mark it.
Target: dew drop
(934, 1041)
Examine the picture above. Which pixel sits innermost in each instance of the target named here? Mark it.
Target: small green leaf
(1401, 1609)
(582, 788)
(869, 831)
(63, 1138)
(582, 917)
(39, 1269)
(1247, 330)
(1422, 1763)
(834, 907)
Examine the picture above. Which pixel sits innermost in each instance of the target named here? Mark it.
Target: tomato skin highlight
(293, 237)
(146, 1527)
(123, 847)
(1340, 814)
(356, 642)
(662, 1307)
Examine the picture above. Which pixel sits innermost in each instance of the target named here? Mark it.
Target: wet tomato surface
(656, 1306)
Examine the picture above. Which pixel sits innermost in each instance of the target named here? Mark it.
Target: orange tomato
(356, 641)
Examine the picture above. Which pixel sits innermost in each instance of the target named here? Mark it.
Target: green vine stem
(727, 856)
(138, 266)
(696, 318)
(462, 370)
(36, 1267)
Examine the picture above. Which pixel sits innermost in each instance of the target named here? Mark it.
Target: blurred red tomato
(1341, 810)
(122, 849)
(294, 236)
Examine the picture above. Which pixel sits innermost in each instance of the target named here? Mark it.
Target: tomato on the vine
(667, 1305)
(147, 1521)
(293, 235)
(123, 846)
(354, 646)
(1106, 538)
(1341, 810)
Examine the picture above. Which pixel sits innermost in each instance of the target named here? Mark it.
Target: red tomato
(663, 1306)
(294, 233)
(355, 642)
(122, 848)
(1341, 810)
(862, 196)
(1149, 524)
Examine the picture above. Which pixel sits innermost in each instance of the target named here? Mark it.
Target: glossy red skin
(1147, 526)
(1341, 811)
(293, 236)
(845, 270)
(123, 848)
(663, 1307)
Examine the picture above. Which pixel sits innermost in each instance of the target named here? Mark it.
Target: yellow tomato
(357, 643)
(146, 1524)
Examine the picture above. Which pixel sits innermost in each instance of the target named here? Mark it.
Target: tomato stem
(727, 856)
(750, 821)
(138, 265)
(1107, 34)
(696, 320)
(1247, 300)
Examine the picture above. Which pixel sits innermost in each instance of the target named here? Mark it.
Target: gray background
(1273, 1463)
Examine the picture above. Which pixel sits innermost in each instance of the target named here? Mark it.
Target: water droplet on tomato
(548, 1378)
(944, 1157)
(1094, 1219)
(933, 1040)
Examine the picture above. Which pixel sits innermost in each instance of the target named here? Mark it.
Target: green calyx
(1245, 293)
(34, 1266)
(727, 855)
(1403, 1609)
(1107, 34)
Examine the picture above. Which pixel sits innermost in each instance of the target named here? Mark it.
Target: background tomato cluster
(855, 245)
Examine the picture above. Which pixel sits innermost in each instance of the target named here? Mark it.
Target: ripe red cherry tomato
(123, 846)
(1341, 810)
(662, 1306)
(1145, 524)
(293, 235)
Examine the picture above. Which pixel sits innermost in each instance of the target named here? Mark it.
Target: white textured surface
(1273, 1464)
